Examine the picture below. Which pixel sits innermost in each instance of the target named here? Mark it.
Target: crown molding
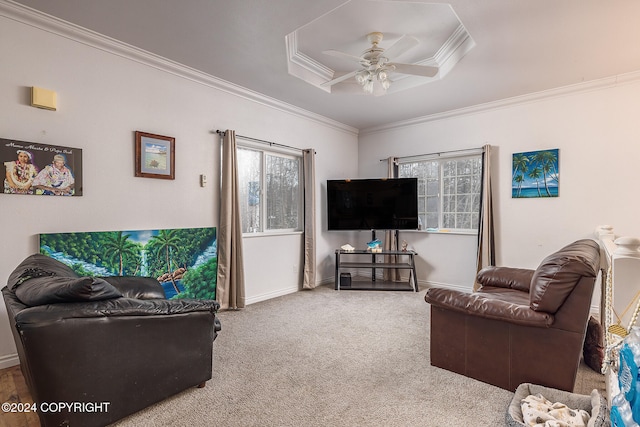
(604, 83)
(454, 49)
(303, 66)
(61, 28)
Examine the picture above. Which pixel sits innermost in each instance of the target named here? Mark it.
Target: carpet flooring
(333, 358)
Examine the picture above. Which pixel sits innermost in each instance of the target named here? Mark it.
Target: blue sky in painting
(141, 236)
(531, 182)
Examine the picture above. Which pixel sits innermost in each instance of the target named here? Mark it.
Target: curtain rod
(262, 141)
(436, 154)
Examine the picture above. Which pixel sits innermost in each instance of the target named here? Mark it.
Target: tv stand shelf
(358, 283)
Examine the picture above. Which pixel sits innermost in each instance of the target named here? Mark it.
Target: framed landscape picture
(535, 174)
(155, 156)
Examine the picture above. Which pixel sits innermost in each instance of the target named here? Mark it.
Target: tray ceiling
(442, 42)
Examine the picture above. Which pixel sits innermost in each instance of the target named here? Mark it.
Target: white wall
(597, 131)
(102, 99)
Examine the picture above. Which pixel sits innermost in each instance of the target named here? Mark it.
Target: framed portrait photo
(40, 169)
(155, 156)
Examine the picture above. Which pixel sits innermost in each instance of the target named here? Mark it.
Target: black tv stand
(357, 283)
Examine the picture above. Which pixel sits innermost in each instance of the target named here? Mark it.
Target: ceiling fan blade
(340, 79)
(401, 46)
(415, 70)
(339, 54)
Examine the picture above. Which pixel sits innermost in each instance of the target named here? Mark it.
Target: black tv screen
(373, 204)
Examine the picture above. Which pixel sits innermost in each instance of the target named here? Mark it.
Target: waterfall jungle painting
(184, 260)
(535, 174)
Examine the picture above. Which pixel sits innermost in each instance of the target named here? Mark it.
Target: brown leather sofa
(94, 350)
(521, 325)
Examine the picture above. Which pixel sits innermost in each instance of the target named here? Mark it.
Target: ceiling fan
(376, 63)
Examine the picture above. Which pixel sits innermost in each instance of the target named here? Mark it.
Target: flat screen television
(373, 204)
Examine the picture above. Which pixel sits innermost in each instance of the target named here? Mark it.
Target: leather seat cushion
(137, 287)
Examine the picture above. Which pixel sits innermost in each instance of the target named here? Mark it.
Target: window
(270, 191)
(448, 191)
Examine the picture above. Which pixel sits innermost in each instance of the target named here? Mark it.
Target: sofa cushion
(55, 289)
(38, 265)
(557, 275)
(593, 348)
(137, 287)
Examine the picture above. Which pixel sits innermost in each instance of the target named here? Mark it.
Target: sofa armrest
(488, 307)
(506, 277)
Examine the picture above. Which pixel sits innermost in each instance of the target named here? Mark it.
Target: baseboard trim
(425, 284)
(274, 294)
(9, 360)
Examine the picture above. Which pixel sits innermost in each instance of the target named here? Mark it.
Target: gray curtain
(390, 236)
(308, 167)
(486, 231)
(230, 282)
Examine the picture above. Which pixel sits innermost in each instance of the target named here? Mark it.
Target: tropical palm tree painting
(184, 260)
(535, 174)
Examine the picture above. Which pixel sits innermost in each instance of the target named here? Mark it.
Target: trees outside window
(270, 191)
(448, 191)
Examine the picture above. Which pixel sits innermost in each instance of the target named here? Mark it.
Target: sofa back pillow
(54, 289)
(38, 265)
(558, 274)
(137, 287)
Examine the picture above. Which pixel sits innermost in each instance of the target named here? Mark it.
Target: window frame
(440, 158)
(284, 152)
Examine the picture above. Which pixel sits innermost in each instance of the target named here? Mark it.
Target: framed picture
(40, 169)
(535, 174)
(155, 156)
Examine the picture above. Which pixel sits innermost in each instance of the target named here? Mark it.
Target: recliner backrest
(558, 274)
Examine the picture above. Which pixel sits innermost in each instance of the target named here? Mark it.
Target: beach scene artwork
(535, 174)
(183, 260)
(155, 155)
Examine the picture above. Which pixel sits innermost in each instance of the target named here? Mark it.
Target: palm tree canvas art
(535, 174)
(183, 260)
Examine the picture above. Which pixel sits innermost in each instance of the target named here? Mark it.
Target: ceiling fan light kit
(366, 78)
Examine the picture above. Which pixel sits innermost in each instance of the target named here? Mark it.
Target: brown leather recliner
(94, 350)
(521, 325)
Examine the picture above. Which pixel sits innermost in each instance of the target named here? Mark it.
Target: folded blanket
(540, 412)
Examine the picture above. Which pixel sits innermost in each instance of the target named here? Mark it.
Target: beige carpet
(333, 358)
